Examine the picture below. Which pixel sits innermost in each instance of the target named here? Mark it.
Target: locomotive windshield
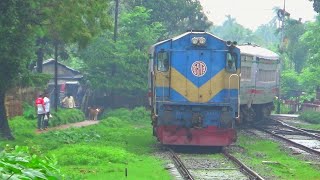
(163, 61)
(231, 62)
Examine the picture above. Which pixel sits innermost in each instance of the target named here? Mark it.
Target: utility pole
(116, 21)
(56, 94)
(282, 48)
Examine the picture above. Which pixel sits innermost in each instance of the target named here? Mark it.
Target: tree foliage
(316, 5)
(122, 65)
(73, 20)
(21, 22)
(16, 37)
(231, 30)
(177, 16)
(289, 84)
(311, 39)
(296, 50)
(267, 35)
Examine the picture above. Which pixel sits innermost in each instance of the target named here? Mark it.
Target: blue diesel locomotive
(194, 90)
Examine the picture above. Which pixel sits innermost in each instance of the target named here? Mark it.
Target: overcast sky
(252, 13)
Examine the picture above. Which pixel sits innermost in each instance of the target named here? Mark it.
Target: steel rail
(180, 166)
(311, 130)
(291, 142)
(242, 166)
(297, 129)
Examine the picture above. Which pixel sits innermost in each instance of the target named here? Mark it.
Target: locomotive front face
(196, 88)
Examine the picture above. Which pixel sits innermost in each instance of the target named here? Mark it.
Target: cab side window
(231, 60)
(163, 61)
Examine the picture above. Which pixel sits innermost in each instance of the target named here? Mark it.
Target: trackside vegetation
(308, 120)
(119, 147)
(271, 160)
(312, 117)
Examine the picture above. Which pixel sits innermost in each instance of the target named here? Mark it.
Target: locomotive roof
(180, 36)
(255, 50)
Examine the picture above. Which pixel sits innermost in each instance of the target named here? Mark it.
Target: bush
(65, 116)
(29, 111)
(21, 126)
(310, 116)
(135, 115)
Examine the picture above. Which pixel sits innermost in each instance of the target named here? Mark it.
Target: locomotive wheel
(247, 115)
(263, 112)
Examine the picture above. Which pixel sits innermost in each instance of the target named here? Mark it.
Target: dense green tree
(233, 31)
(267, 34)
(122, 66)
(289, 84)
(64, 21)
(316, 5)
(296, 50)
(311, 39)
(309, 79)
(177, 16)
(16, 37)
(71, 21)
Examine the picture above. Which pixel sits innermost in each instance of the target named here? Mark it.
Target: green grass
(256, 150)
(312, 117)
(123, 139)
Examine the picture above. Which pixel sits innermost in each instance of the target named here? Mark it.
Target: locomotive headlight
(202, 41)
(198, 41)
(194, 40)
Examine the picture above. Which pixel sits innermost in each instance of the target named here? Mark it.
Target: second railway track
(302, 139)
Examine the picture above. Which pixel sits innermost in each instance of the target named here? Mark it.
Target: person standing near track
(40, 108)
(47, 110)
(68, 101)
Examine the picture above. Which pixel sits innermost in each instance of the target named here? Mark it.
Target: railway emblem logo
(199, 68)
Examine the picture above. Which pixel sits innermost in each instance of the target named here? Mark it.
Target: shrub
(121, 113)
(310, 116)
(20, 126)
(137, 114)
(29, 111)
(65, 116)
(140, 114)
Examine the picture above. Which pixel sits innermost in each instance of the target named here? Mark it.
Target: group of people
(42, 105)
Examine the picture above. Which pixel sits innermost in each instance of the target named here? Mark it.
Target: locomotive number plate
(199, 68)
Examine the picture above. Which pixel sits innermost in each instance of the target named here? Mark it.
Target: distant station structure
(68, 79)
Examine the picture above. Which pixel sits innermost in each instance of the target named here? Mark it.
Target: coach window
(231, 62)
(163, 61)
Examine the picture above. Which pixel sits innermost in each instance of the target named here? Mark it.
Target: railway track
(300, 138)
(200, 166)
(180, 166)
(316, 132)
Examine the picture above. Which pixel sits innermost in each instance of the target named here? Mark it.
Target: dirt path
(66, 126)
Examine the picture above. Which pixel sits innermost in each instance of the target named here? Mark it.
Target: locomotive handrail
(238, 116)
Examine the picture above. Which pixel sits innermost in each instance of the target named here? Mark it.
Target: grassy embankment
(272, 161)
(123, 140)
(312, 118)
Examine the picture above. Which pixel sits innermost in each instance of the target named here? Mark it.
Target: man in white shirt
(47, 109)
(40, 109)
